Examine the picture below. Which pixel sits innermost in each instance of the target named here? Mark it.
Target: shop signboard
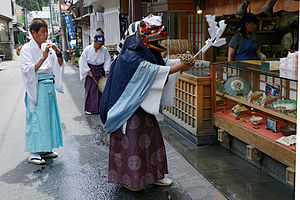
(55, 14)
(70, 27)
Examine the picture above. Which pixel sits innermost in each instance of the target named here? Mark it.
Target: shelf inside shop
(257, 107)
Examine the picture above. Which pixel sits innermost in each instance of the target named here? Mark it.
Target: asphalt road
(80, 171)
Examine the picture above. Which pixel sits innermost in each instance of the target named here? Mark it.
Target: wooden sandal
(36, 161)
(163, 182)
(131, 189)
(49, 155)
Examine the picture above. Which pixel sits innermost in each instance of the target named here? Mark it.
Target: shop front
(248, 106)
(254, 101)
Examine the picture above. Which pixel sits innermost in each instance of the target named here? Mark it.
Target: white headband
(153, 20)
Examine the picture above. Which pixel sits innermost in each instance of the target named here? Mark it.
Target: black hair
(99, 29)
(247, 18)
(36, 24)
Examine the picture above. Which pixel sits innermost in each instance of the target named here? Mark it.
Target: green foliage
(76, 50)
(33, 5)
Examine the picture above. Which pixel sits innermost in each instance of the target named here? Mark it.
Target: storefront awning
(81, 17)
(229, 7)
(21, 29)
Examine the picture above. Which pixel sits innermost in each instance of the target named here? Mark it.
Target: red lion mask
(151, 34)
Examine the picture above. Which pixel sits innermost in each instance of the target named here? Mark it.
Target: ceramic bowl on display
(288, 129)
(236, 86)
(256, 120)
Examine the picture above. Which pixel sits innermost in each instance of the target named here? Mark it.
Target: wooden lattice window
(195, 32)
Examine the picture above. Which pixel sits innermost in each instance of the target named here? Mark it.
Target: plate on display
(285, 105)
(236, 86)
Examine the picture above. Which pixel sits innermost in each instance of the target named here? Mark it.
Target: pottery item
(256, 120)
(236, 86)
(288, 129)
(285, 105)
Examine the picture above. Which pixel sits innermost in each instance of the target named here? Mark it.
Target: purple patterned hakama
(137, 158)
(92, 93)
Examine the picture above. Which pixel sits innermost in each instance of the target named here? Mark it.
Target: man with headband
(137, 80)
(93, 64)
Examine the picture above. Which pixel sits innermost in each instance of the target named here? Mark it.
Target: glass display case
(258, 107)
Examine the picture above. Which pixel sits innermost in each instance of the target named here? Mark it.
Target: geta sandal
(36, 161)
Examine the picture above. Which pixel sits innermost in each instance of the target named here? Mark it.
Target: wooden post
(222, 136)
(290, 176)
(253, 153)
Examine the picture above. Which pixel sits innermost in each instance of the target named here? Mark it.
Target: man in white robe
(42, 70)
(93, 64)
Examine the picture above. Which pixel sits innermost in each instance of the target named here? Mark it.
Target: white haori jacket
(90, 56)
(160, 92)
(30, 54)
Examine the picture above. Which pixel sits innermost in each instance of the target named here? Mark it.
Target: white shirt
(287, 41)
(90, 56)
(30, 54)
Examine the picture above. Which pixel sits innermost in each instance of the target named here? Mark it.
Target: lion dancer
(94, 63)
(136, 83)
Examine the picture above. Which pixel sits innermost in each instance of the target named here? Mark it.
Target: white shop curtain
(112, 27)
(96, 21)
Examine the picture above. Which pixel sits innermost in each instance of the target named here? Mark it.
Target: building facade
(7, 12)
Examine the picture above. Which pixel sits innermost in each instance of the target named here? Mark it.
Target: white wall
(5, 8)
(109, 21)
(85, 36)
(110, 5)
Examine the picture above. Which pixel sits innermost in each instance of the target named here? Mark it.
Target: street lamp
(199, 10)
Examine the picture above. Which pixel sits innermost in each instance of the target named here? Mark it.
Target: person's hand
(106, 73)
(186, 67)
(55, 48)
(46, 51)
(90, 74)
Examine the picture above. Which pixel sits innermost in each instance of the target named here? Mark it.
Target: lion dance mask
(151, 32)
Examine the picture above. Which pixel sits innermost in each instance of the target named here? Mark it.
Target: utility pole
(62, 27)
(51, 17)
(25, 20)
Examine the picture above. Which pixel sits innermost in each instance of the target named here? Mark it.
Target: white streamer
(215, 33)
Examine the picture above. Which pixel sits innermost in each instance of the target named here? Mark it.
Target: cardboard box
(270, 65)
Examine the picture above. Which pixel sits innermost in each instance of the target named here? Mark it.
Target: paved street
(80, 172)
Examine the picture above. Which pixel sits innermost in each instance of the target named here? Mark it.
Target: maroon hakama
(92, 93)
(137, 158)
